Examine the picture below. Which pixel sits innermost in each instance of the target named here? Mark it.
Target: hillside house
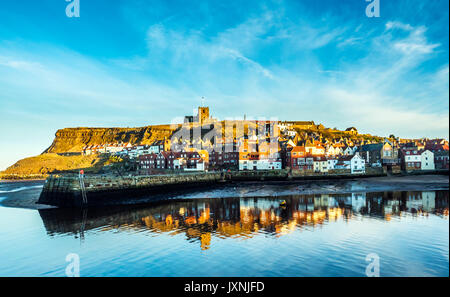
(248, 161)
(331, 163)
(350, 150)
(352, 131)
(147, 163)
(441, 160)
(314, 148)
(427, 160)
(320, 164)
(295, 158)
(355, 163)
(411, 159)
(333, 150)
(378, 154)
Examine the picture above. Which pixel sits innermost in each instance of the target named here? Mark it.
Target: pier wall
(66, 191)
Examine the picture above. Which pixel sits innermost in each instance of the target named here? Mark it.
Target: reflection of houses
(358, 201)
(200, 219)
(324, 201)
(391, 208)
(421, 201)
(428, 201)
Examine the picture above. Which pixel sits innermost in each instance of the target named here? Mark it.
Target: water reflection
(200, 219)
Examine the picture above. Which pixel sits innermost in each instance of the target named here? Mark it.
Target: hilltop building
(352, 130)
(298, 124)
(202, 116)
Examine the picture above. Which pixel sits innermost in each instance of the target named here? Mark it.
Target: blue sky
(134, 63)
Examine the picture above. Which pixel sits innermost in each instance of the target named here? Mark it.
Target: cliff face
(74, 139)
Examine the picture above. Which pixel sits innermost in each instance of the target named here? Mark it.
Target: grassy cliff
(72, 140)
(52, 163)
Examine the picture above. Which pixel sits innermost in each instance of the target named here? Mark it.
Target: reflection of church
(204, 219)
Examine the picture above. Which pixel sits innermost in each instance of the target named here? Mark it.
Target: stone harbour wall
(100, 190)
(65, 191)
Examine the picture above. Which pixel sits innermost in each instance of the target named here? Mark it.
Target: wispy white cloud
(398, 25)
(416, 42)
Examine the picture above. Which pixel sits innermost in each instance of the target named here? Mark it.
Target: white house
(320, 164)
(412, 159)
(331, 163)
(154, 149)
(256, 161)
(355, 163)
(283, 126)
(290, 133)
(427, 160)
(333, 150)
(358, 164)
(315, 149)
(114, 148)
(350, 150)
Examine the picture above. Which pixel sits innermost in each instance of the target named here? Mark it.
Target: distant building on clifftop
(202, 116)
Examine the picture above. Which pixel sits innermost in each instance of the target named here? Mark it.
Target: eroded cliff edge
(74, 139)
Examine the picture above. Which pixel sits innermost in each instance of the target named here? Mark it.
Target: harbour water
(311, 235)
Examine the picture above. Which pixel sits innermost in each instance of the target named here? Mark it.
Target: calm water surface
(313, 235)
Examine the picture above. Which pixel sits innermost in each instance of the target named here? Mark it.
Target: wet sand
(26, 193)
(21, 194)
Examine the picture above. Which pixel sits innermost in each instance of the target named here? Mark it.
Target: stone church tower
(203, 114)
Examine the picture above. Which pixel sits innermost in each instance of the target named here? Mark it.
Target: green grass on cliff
(53, 163)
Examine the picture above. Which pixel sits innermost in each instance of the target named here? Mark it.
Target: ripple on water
(231, 237)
